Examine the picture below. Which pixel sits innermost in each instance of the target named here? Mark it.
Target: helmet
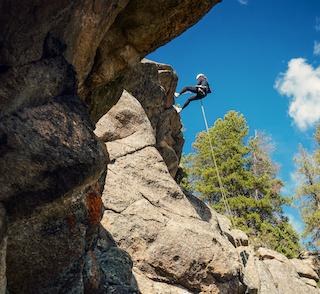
(201, 75)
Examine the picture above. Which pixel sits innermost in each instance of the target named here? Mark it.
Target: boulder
(265, 254)
(304, 270)
(155, 95)
(145, 211)
(128, 127)
(279, 275)
(249, 275)
(312, 259)
(153, 287)
(54, 208)
(235, 236)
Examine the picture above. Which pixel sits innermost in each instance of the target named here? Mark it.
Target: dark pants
(199, 95)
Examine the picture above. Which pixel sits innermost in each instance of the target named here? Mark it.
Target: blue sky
(244, 47)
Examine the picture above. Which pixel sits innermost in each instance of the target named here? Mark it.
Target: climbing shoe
(177, 108)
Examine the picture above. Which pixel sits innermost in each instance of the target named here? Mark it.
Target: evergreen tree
(249, 180)
(308, 192)
(275, 230)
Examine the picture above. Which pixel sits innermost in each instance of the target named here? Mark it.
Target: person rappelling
(202, 89)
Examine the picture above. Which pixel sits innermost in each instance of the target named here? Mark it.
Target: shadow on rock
(202, 210)
(108, 269)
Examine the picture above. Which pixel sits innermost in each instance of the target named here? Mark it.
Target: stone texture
(128, 127)
(139, 29)
(57, 236)
(279, 274)
(168, 80)
(146, 211)
(146, 83)
(312, 259)
(310, 282)
(249, 276)
(267, 284)
(285, 278)
(3, 249)
(102, 37)
(236, 237)
(170, 140)
(82, 24)
(19, 86)
(265, 253)
(51, 165)
(52, 169)
(109, 270)
(54, 142)
(304, 270)
(152, 287)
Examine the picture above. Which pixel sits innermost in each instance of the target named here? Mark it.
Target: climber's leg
(193, 98)
(189, 89)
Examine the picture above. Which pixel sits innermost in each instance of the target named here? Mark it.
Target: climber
(202, 89)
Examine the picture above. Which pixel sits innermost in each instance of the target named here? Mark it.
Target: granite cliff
(89, 149)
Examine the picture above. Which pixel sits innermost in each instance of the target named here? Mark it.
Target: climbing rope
(242, 255)
(214, 161)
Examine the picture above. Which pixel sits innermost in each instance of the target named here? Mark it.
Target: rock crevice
(101, 213)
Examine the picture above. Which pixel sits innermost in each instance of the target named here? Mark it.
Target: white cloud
(301, 82)
(316, 48)
(243, 2)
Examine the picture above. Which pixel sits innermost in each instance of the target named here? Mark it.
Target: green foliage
(308, 191)
(249, 180)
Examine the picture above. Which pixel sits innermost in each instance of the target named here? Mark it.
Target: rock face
(103, 37)
(146, 211)
(52, 167)
(153, 85)
(3, 249)
(177, 244)
(312, 259)
(75, 219)
(280, 274)
(266, 271)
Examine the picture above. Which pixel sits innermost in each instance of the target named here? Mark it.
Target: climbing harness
(214, 161)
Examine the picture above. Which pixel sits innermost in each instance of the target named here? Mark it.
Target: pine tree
(275, 230)
(308, 192)
(249, 181)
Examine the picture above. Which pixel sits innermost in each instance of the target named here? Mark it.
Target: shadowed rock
(3, 249)
(145, 81)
